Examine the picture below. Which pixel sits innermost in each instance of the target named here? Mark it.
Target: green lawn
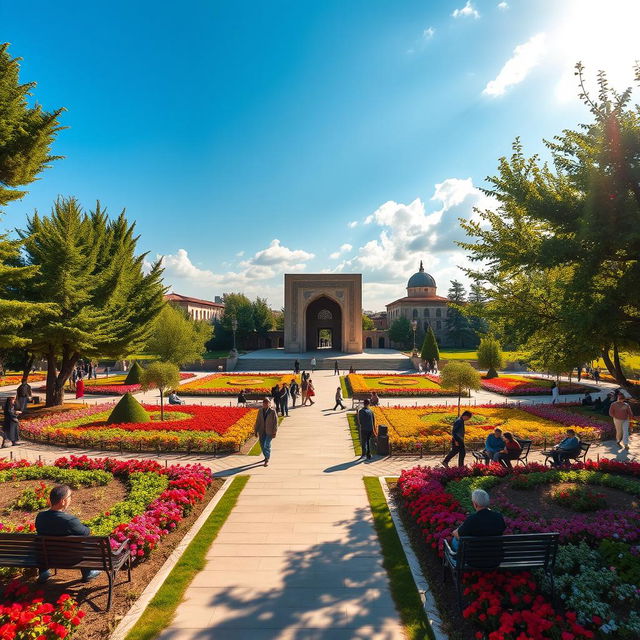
(403, 588)
(159, 612)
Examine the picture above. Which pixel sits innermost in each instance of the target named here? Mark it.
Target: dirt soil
(86, 502)
(34, 411)
(537, 499)
(98, 623)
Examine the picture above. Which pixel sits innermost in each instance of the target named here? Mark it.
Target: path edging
(139, 606)
(428, 601)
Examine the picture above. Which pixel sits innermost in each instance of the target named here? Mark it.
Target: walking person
(622, 414)
(336, 369)
(296, 367)
(555, 393)
(367, 428)
(74, 378)
(266, 428)
(23, 395)
(80, 386)
(284, 400)
(339, 400)
(457, 440)
(310, 391)
(304, 387)
(313, 364)
(10, 426)
(294, 392)
(275, 394)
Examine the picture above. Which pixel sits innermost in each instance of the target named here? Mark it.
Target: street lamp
(414, 326)
(234, 328)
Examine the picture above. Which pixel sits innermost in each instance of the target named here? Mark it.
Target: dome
(421, 279)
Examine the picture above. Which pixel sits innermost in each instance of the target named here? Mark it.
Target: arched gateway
(323, 311)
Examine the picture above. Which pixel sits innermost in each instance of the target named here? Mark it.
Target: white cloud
(353, 224)
(345, 248)
(276, 254)
(239, 254)
(503, 6)
(468, 11)
(525, 57)
(428, 33)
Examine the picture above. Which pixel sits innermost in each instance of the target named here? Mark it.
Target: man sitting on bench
(564, 450)
(57, 522)
(483, 522)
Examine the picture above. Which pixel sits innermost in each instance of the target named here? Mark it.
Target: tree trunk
(29, 359)
(615, 369)
(492, 373)
(57, 379)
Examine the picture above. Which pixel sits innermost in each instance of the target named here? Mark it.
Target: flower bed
(158, 499)
(529, 386)
(225, 384)
(114, 385)
(598, 559)
(397, 385)
(185, 428)
(429, 427)
(16, 378)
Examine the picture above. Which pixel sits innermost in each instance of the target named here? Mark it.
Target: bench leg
(129, 569)
(111, 576)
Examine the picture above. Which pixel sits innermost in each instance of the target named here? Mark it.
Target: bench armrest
(118, 550)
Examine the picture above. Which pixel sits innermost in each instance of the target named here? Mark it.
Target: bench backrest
(526, 446)
(59, 552)
(526, 550)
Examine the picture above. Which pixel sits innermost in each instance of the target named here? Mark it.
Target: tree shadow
(333, 589)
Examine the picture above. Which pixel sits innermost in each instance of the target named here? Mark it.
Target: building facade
(196, 308)
(423, 305)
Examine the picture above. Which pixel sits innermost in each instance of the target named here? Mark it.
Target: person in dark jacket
(11, 426)
(57, 522)
(366, 420)
(457, 440)
(275, 394)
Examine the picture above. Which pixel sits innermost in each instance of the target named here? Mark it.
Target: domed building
(422, 304)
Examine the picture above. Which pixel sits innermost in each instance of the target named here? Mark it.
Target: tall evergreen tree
(103, 304)
(561, 254)
(430, 352)
(26, 135)
(459, 331)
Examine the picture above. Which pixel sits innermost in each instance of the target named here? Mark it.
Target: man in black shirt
(457, 440)
(367, 427)
(483, 522)
(56, 522)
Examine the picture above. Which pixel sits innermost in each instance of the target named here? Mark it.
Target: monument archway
(323, 315)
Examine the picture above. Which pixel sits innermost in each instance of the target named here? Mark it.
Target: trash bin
(382, 441)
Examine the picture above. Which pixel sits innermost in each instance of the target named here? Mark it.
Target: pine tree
(103, 304)
(459, 331)
(430, 352)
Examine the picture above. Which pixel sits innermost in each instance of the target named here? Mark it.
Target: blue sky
(249, 139)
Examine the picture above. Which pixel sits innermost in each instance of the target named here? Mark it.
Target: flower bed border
(400, 392)
(534, 389)
(233, 391)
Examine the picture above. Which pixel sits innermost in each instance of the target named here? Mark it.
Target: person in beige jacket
(621, 413)
(266, 428)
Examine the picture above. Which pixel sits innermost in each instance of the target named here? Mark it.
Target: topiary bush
(135, 374)
(128, 410)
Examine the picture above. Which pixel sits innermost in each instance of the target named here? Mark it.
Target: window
(438, 313)
(425, 312)
(415, 314)
(325, 314)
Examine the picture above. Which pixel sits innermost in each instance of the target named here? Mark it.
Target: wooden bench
(27, 550)
(358, 397)
(515, 552)
(579, 455)
(522, 458)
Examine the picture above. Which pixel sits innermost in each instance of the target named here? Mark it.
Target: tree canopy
(459, 376)
(459, 330)
(490, 356)
(401, 333)
(367, 323)
(559, 255)
(163, 376)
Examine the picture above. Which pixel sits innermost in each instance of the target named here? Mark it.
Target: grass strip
(256, 450)
(355, 433)
(403, 588)
(159, 612)
(346, 393)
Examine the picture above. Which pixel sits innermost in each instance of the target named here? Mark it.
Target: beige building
(422, 304)
(196, 308)
(323, 311)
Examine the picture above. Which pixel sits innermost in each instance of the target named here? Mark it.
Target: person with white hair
(483, 522)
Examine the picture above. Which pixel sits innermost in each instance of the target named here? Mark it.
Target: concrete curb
(137, 609)
(428, 601)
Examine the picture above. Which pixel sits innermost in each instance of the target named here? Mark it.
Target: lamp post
(414, 326)
(234, 328)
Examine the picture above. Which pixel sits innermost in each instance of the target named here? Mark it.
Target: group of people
(84, 370)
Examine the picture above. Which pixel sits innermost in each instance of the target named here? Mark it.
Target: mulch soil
(98, 623)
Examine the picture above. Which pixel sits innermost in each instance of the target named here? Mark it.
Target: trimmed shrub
(135, 374)
(128, 410)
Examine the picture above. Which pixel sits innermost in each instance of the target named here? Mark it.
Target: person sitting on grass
(493, 445)
(174, 399)
(483, 522)
(565, 449)
(57, 522)
(511, 451)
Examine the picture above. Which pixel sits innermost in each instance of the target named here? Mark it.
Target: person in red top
(621, 413)
(511, 451)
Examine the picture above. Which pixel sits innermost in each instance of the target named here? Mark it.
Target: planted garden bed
(530, 386)
(223, 384)
(397, 385)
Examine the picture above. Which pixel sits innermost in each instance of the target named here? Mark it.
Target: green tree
(26, 135)
(430, 352)
(164, 376)
(278, 320)
(263, 320)
(459, 331)
(88, 272)
(237, 306)
(560, 252)
(367, 323)
(176, 338)
(461, 377)
(401, 333)
(490, 356)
